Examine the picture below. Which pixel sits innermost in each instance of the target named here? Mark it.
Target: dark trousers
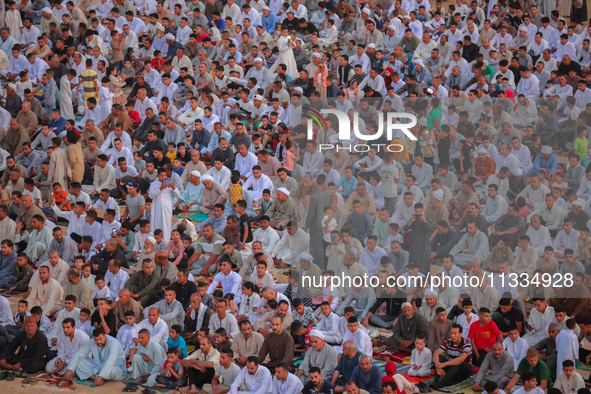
(28, 365)
(478, 361)
(199, 378)
(453, 374)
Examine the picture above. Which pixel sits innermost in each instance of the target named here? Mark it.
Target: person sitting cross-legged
(453, 360)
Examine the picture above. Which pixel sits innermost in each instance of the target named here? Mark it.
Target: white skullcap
(258, 59)
(298, 89)
(265, 8)
(366, 10)
(258, 97)
(284, 191)
(419, 62)
(372, 45)
(405, 304)
(317, 334)
(169, 36)
(46, 10)
(481, 149)
(546, 150)
(577, 203)
(406, 17)
(151, 239)
(430, 292)
(438, 194)
(316, 54)
(523, 28)
(196, 173)
(518, 172)
(206, 178)
(12, 86)
(306, 256)
(159, 26)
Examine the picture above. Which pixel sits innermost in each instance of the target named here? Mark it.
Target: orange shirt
(61, 197)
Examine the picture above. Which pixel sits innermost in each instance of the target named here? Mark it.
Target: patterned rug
(7, 293)
(397, 357)
(582, 367)
(456, 387)
(160, 389)
(416, 379)
(196, 217)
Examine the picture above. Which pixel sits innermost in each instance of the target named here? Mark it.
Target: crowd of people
(174, 214)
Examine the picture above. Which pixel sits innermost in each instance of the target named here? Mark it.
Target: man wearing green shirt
(532, 363)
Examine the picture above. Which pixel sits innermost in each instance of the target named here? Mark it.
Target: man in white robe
(39, 240)
(156, 326)
(47, 293)
(161, 193)
(69, 341)
(107, 361)
(149, 359)
(539, 320)
(66, 100)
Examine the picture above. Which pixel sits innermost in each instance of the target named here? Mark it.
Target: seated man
(47, 293)
(319, 355)
(406, 330)
(278, 345)
(201, 365)
(107, 361)
(26, 352)
(254, 376)
(496, 367)
(69, 341)
(198, 316)
(367, 376)
(348, 361)
(157, 328)
(285, 382)
(453, 360)
(148, 360)
(483, 334)
(145, 284)
(532, 363)
(264, 324)
(171, 310)
(227, 371)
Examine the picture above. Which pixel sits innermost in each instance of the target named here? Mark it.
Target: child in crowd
(173, 372)
(515, 346)
(83, 323)
(220, 340)
(126, 332)
(100, 290)
(175, 340)
(88, 276)
(43, 321)
(467, 318)
(420, 358)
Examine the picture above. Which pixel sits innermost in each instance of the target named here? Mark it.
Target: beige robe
(59, 169)
(76, 161)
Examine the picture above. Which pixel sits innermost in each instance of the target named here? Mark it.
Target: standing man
(321, 198)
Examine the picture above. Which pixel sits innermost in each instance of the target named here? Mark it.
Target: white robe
(285, 57)
(66, 105)
(161, 217)
(14, 22)
(66, 348)
(540, 324)
(567, 348)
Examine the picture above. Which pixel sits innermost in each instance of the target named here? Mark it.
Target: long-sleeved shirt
(369, 381)
(325, 359)
(478, 245)
(231, 283)
(365, 299)
(172, 313)
(278, 347)
(46, 295)
(499, 368)
(258, 383)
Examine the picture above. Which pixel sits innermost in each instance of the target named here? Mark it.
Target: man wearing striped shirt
(453, 360)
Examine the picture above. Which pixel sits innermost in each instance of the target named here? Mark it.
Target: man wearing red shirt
(483, 334)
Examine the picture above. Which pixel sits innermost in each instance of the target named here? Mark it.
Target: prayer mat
(416, 379)
(7, 293)
(397, 357)
(456, 387)
(582, 366)
(160, 389)
(196, 217)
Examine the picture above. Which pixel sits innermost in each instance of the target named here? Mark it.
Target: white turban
(206, 178)
(284, 191)
(317, 334)
(438, 194)
(196, 173)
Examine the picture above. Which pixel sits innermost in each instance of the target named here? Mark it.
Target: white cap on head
(258, 59)
(366, 10)
(523, 28)
(317, 334)
(159, 26)
(46, 10)
(518, 172)
(284, 191)
(169, 36)
(306, 256)
(265, 8)
(316, 54)
(481, 149)
(299, 89)
(438, 194)
(419, 62)
(372, 45)
(151, 239)
(12, 86)
(206, 178)
(577, 203)
(406, 17)
(196, 173)
(258, 97)
(405, 304)
(546, 150)
(430, 292)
